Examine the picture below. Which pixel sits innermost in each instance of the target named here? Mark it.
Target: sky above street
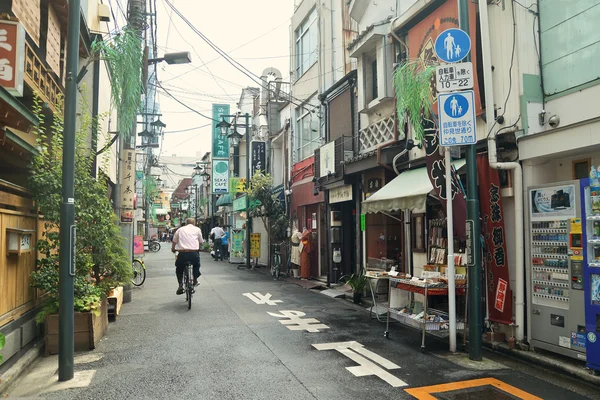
(255, 33)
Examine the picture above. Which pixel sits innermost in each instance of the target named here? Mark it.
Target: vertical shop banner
(127, 178)
(220, 176)
(12, 57)
(492, 228)
(220, 144)
(259, 160)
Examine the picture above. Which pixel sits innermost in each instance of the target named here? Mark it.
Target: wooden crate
(89, 329)
(115, 301)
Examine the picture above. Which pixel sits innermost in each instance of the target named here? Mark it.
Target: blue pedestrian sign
(452, 45)
(456, 113)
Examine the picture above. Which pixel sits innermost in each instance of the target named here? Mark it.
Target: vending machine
(591, 271)
(556, 269)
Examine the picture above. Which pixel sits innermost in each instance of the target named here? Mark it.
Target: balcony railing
(41, 79)
(375, 134)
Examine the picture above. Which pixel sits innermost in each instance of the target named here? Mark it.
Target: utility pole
(473, 226)
(248, 176)
(66, 313)
(135, 18)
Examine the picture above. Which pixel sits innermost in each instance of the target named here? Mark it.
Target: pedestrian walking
(305, 254)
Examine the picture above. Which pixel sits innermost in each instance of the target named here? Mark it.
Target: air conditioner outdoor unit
(103, 13)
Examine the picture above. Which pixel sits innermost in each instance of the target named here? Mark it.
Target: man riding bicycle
(216, 235)
(187, 241)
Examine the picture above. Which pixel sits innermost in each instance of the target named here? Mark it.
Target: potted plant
(101, 260)
(358, 282)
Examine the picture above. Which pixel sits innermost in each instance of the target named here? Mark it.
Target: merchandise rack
(427, 290)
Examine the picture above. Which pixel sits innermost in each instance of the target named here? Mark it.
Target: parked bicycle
(278, 262)
(139, 272)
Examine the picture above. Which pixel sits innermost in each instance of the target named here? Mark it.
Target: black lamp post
(234, 139)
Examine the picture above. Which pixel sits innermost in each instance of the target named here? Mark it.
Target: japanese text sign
(220, 176)
(450, 77)
(220, 144)
(259, 161)
(12, 57)
(255, 245)
(493, 230)
(127, 178)
(456, 112)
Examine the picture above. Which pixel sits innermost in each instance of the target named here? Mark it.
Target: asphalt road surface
(250, 337)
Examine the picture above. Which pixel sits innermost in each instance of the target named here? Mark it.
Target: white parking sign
(457, 118)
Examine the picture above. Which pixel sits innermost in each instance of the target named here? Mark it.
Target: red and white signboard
(12, 57)
(500, 295)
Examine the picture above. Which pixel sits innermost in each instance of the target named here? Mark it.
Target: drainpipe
(514, 166)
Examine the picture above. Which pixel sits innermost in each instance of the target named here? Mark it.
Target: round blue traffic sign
(452, 45)
(456, 106)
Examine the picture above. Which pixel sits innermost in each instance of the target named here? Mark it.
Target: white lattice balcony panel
(375, 134)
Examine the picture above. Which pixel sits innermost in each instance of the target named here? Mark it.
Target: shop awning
(224, 200)
(161, 211)
(407, 191)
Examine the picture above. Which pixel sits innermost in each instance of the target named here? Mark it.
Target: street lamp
(239, 131)
(181, 57)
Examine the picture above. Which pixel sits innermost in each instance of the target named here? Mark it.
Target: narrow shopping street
(228, 346)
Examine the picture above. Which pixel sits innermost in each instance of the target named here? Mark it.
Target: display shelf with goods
(438, 245)
(418, 314)
(550, 277)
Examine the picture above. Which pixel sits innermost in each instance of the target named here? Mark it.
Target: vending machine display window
(595, 289)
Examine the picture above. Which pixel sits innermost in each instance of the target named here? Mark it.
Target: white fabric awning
(407, 191)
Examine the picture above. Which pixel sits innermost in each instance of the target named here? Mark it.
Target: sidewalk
(538, 358)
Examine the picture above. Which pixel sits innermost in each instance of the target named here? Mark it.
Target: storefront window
(384, 240)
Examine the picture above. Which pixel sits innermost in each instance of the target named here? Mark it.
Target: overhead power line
(231, 61)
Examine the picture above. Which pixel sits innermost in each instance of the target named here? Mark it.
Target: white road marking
(296, 323)
(357, 353)
(262, 299)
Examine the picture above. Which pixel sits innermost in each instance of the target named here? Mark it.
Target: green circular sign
(221, 167)
(592, 337)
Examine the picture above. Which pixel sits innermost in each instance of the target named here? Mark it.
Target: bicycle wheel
(190, 286)
(154, 246)
(276, 269)
(139, 273)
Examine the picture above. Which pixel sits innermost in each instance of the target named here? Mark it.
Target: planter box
(89, 329)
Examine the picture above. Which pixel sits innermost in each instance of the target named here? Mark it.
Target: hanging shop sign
(327, 159)
(220, 176)
(259, 161)
(127, 178)
(220, 144)
(239, 204)
(493, 230)
(340, 194)
(12, 57)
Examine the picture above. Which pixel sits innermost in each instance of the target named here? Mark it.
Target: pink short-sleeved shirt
(188, 237)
